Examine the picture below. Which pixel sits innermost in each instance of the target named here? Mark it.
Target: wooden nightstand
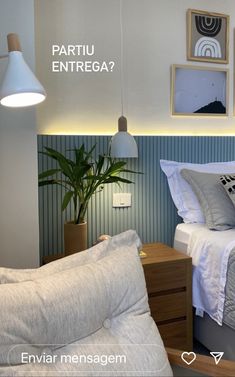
(168, 275)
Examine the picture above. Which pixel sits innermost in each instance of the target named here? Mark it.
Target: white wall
(155, 38)
(19, 240)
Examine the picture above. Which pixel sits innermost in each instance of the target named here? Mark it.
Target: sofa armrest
(203, 364)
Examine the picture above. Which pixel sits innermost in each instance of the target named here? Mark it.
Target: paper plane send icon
(217, 356)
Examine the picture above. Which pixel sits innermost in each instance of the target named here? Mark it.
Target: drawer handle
(171, 321)
(167, 292)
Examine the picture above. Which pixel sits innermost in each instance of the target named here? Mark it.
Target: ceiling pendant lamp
(123, 144)
(20, 87)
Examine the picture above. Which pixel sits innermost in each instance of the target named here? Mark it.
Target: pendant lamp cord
(121, 53)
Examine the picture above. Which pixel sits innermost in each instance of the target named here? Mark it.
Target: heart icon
(191, 356)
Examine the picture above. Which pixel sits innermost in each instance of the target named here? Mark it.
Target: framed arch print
(207, 36)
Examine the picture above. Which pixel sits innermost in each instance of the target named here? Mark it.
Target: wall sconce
(20, 87)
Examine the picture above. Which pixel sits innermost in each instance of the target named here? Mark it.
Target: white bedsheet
(210, 253)
(182, 235)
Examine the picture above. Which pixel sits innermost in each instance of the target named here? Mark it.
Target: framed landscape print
(207, 36)
(199, 91)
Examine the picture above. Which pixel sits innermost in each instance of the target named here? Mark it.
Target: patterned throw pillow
(228, 182)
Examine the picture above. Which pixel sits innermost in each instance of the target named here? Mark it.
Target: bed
(206, 330)
(204, 195)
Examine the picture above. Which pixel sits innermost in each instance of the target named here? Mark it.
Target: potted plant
(80, 177)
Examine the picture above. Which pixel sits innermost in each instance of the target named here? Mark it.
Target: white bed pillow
(182, 194)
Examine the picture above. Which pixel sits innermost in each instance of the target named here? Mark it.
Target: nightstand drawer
(170, 306)
(175, 335)
(163, 277)
(168, 275)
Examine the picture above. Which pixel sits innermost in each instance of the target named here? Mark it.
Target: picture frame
(199, 91)
(207, 36)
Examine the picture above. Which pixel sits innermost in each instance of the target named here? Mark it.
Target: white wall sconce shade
(20, 87)
(123, 144)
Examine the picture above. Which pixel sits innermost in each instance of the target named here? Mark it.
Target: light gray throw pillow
(218, 209)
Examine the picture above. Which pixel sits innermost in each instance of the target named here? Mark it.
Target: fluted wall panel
(152, 213)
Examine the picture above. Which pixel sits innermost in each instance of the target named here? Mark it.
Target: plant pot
(75, 237)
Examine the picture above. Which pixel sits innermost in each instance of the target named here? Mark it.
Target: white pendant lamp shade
(123, 144)
(20, 87)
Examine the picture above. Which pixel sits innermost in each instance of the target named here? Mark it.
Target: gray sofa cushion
(100, 307)
(11, 275)
(216, 206)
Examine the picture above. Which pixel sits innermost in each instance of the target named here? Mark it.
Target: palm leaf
(116, 180)
(67, 197)
(48, 173)
(48, 182)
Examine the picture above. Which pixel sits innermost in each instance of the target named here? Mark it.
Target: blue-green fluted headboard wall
(152, 214)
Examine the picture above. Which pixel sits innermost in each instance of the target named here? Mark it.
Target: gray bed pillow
(218, 209)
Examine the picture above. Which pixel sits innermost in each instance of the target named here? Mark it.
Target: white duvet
(210, 252)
